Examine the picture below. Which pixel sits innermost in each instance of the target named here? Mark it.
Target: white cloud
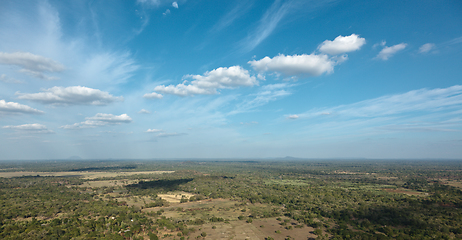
(38, 75)
(388, 52)
(241, 8)
(209, 82)
(293, 116)
(417, 100)
(149, 2)
(342, 44)
(454, 41)
(12, 107)
(100, 119)
(6, 79)
(166, 12)
(312, 65)
(109, 118)
(164, 135)
(153, 95)
(31, 64)
(31, 128)
(427, 47)
(175, 4)
(144, 111)
(380, 44)
(75, 95)
(154, 130)
(268, 23)
(107, 69)
(268, 93)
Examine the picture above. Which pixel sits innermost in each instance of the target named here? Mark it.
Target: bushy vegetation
(345, 200)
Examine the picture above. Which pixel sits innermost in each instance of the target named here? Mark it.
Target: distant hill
(75, 158)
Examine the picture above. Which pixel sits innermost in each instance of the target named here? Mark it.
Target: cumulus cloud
(166, 12)
(388, 52)
(311, 65)
(153, 95)
(75, 95)
(31, 64)
(427, 47)
(144, 111)
(12, 107)
(100, 119)
(31, 128)
(293, 116)
(342, 44)
(210, 82)
(154, 130)
(175, 4)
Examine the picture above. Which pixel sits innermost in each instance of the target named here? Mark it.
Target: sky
(151, 79)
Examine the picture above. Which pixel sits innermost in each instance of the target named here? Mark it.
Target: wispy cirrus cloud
(150, 3)
(424, 100)
(454, 41)
(13, 107)
(241, 8)
(76, 95)
(165, 135)
(4, 78)
(267, 93)
(419, 110)
(267, 24)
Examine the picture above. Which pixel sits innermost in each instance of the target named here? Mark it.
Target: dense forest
(328, 199)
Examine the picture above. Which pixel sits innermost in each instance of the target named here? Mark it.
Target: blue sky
(230, 79)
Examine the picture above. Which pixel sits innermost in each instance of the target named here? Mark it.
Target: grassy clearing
(406, 191)
(108, 183)
(453, 183)
(287, 182)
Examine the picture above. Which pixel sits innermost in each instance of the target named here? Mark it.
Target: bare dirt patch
(175, 197)
(259, 229)
(231, 228)
(268, 227)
